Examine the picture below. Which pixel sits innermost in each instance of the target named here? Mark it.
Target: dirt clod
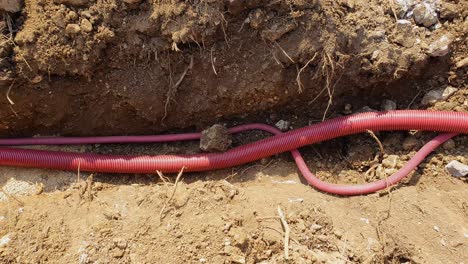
(86, 26)
(72, 29)
(11, 5)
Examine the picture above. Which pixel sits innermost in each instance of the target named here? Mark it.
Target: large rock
(216, 138)
(11, 5)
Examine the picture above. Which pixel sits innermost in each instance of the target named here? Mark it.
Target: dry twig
(287, 231)
(172, 195)
(298, 77)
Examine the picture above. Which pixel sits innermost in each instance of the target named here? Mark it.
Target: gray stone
(457, 169)
(388, 105)
(441, 46)
(215, 138)
(424, 14)
(12, 6)
(432, 97)
(403, 6)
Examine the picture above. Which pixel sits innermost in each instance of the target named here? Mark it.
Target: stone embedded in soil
(365, 109)
(12, 6)
(86, 26)
(402, 7)
(132, 1)
(72, 15)
(425, 15)
(72, 29)
(19, 188)
(448, 10)
(215, 138)
(404, 33)
(388, 105)
(283, 125)
(449, 144)
(5, 240)
(448, 91)
(437, 95)
(457, 169)
(432, 97)
(441, 46)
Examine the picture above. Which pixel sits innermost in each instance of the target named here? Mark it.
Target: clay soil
(108, 67)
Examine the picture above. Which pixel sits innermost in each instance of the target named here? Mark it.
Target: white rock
(19, 188)
(403, 6)
(5, 240)
(315, 227)
(295, 200)
(441, 46)
(12, 6)
(449, 91)
(282, 125)
(457, 169)
(424, 14)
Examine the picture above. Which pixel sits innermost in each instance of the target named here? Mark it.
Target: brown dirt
(110, 67)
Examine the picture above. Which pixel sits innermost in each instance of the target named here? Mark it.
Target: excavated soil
(108, 67)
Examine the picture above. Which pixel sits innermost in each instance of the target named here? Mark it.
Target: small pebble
(388, 105)
(72, 29)
(338, 234)
(283, 125)
(316, 227)
(365, 220)
(348, 109)
(86, 26)
(436, 228)
(5, 240)
(295, 200)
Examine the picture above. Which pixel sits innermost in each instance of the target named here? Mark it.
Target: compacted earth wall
(82, 67)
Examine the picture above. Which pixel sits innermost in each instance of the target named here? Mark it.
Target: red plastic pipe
(453, 122)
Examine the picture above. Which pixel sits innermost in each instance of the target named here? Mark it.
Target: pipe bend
(440, 121)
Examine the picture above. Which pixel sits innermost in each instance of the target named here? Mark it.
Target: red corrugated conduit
(451, 122)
